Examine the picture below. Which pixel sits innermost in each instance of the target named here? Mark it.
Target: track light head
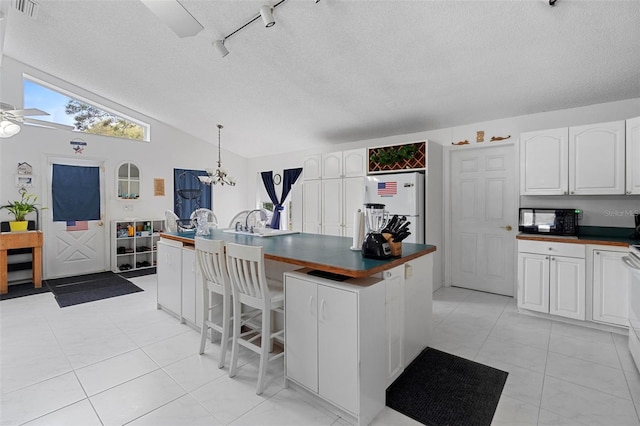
(221, 48)
(267, 16)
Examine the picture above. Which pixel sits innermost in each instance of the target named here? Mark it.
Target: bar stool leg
(236, 336)
(264, 347)
(224, 340)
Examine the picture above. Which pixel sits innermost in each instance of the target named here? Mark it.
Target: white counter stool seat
(210, 258)
(250, 287)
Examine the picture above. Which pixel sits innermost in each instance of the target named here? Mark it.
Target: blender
(375, 246)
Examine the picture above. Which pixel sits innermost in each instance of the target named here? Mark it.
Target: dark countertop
(322, 252)
(603, 235)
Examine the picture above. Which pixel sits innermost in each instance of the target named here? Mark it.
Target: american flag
(387, 188)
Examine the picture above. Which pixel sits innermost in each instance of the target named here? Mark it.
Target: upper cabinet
(312, 167)
(544, 162)
(128, 181)
(597, 159)
(633, 155)
(351, 163)
(581, 160)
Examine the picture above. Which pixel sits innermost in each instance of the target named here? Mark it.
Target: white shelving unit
(139, 251)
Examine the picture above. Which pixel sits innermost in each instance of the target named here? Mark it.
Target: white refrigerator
(403, 195)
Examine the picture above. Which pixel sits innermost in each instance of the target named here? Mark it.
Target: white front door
(69, 252)
(483, 218)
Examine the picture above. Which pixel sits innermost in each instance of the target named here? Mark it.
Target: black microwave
(549, 221)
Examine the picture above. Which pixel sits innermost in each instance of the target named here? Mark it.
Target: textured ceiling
(337, 71)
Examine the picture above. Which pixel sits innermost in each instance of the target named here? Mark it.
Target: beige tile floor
(120, 361)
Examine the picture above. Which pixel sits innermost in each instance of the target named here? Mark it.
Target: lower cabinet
(191, 287)
(610, 286)
(551, 278)
(169, 275)
(335, 342)
(394, 286)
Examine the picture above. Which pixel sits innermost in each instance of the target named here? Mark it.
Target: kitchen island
(320, 252)
(381, 320)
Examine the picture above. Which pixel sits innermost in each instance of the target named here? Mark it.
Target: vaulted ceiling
(336, 71)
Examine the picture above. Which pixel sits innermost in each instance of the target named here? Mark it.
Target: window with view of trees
(84, 116)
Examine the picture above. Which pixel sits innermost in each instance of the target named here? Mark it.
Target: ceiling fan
(10, 119)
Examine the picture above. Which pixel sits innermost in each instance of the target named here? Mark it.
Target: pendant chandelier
(220, 175)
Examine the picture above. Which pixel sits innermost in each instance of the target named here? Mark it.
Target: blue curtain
(290, 177)
(189, 193)
(75, 191)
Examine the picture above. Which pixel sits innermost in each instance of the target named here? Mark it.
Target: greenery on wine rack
(392, 155)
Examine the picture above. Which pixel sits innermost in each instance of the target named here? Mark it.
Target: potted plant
(20, 208)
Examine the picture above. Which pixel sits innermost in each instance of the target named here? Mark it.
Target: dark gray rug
(71, 291)
(440, 389)
(21, 290)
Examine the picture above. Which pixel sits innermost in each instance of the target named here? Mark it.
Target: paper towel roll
(358, 230)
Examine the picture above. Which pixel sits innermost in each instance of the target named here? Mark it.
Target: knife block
(396, 248)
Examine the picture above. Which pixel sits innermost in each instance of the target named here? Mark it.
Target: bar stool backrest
(211, 259)
(246, 272)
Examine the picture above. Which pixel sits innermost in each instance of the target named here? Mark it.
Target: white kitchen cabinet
(312, 167)
(354, 162)
(332, 165)
(418, 306)
(551, 278)
(544, 162)
(332, 206)
(597, 159)
(340, 199)
(353, 199)
(312, 206)
(533, 282)
(329, 204)
(394, 284)
(335, 342)
(351, 163)
(610, 285)
(191, 288)
(169, 276)
(633, 155)
(567, 287)
(580, 160)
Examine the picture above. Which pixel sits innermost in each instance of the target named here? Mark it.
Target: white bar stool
(250, 287)
(215, 279)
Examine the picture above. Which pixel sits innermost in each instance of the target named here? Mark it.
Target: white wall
(167, 149)
(596, 208)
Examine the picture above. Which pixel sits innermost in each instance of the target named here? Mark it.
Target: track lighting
(266, 13)
(220, 47)
(267, 16)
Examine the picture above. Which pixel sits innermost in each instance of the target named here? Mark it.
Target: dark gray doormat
(440, 389)
(20, 290)
(70, 291)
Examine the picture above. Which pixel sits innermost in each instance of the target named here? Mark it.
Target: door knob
(508, 227)
(100, 223)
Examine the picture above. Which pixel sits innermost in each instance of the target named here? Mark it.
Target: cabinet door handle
(598, 253)
(508, 227)
(311, 305)
(322, 313)
(546, 258)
